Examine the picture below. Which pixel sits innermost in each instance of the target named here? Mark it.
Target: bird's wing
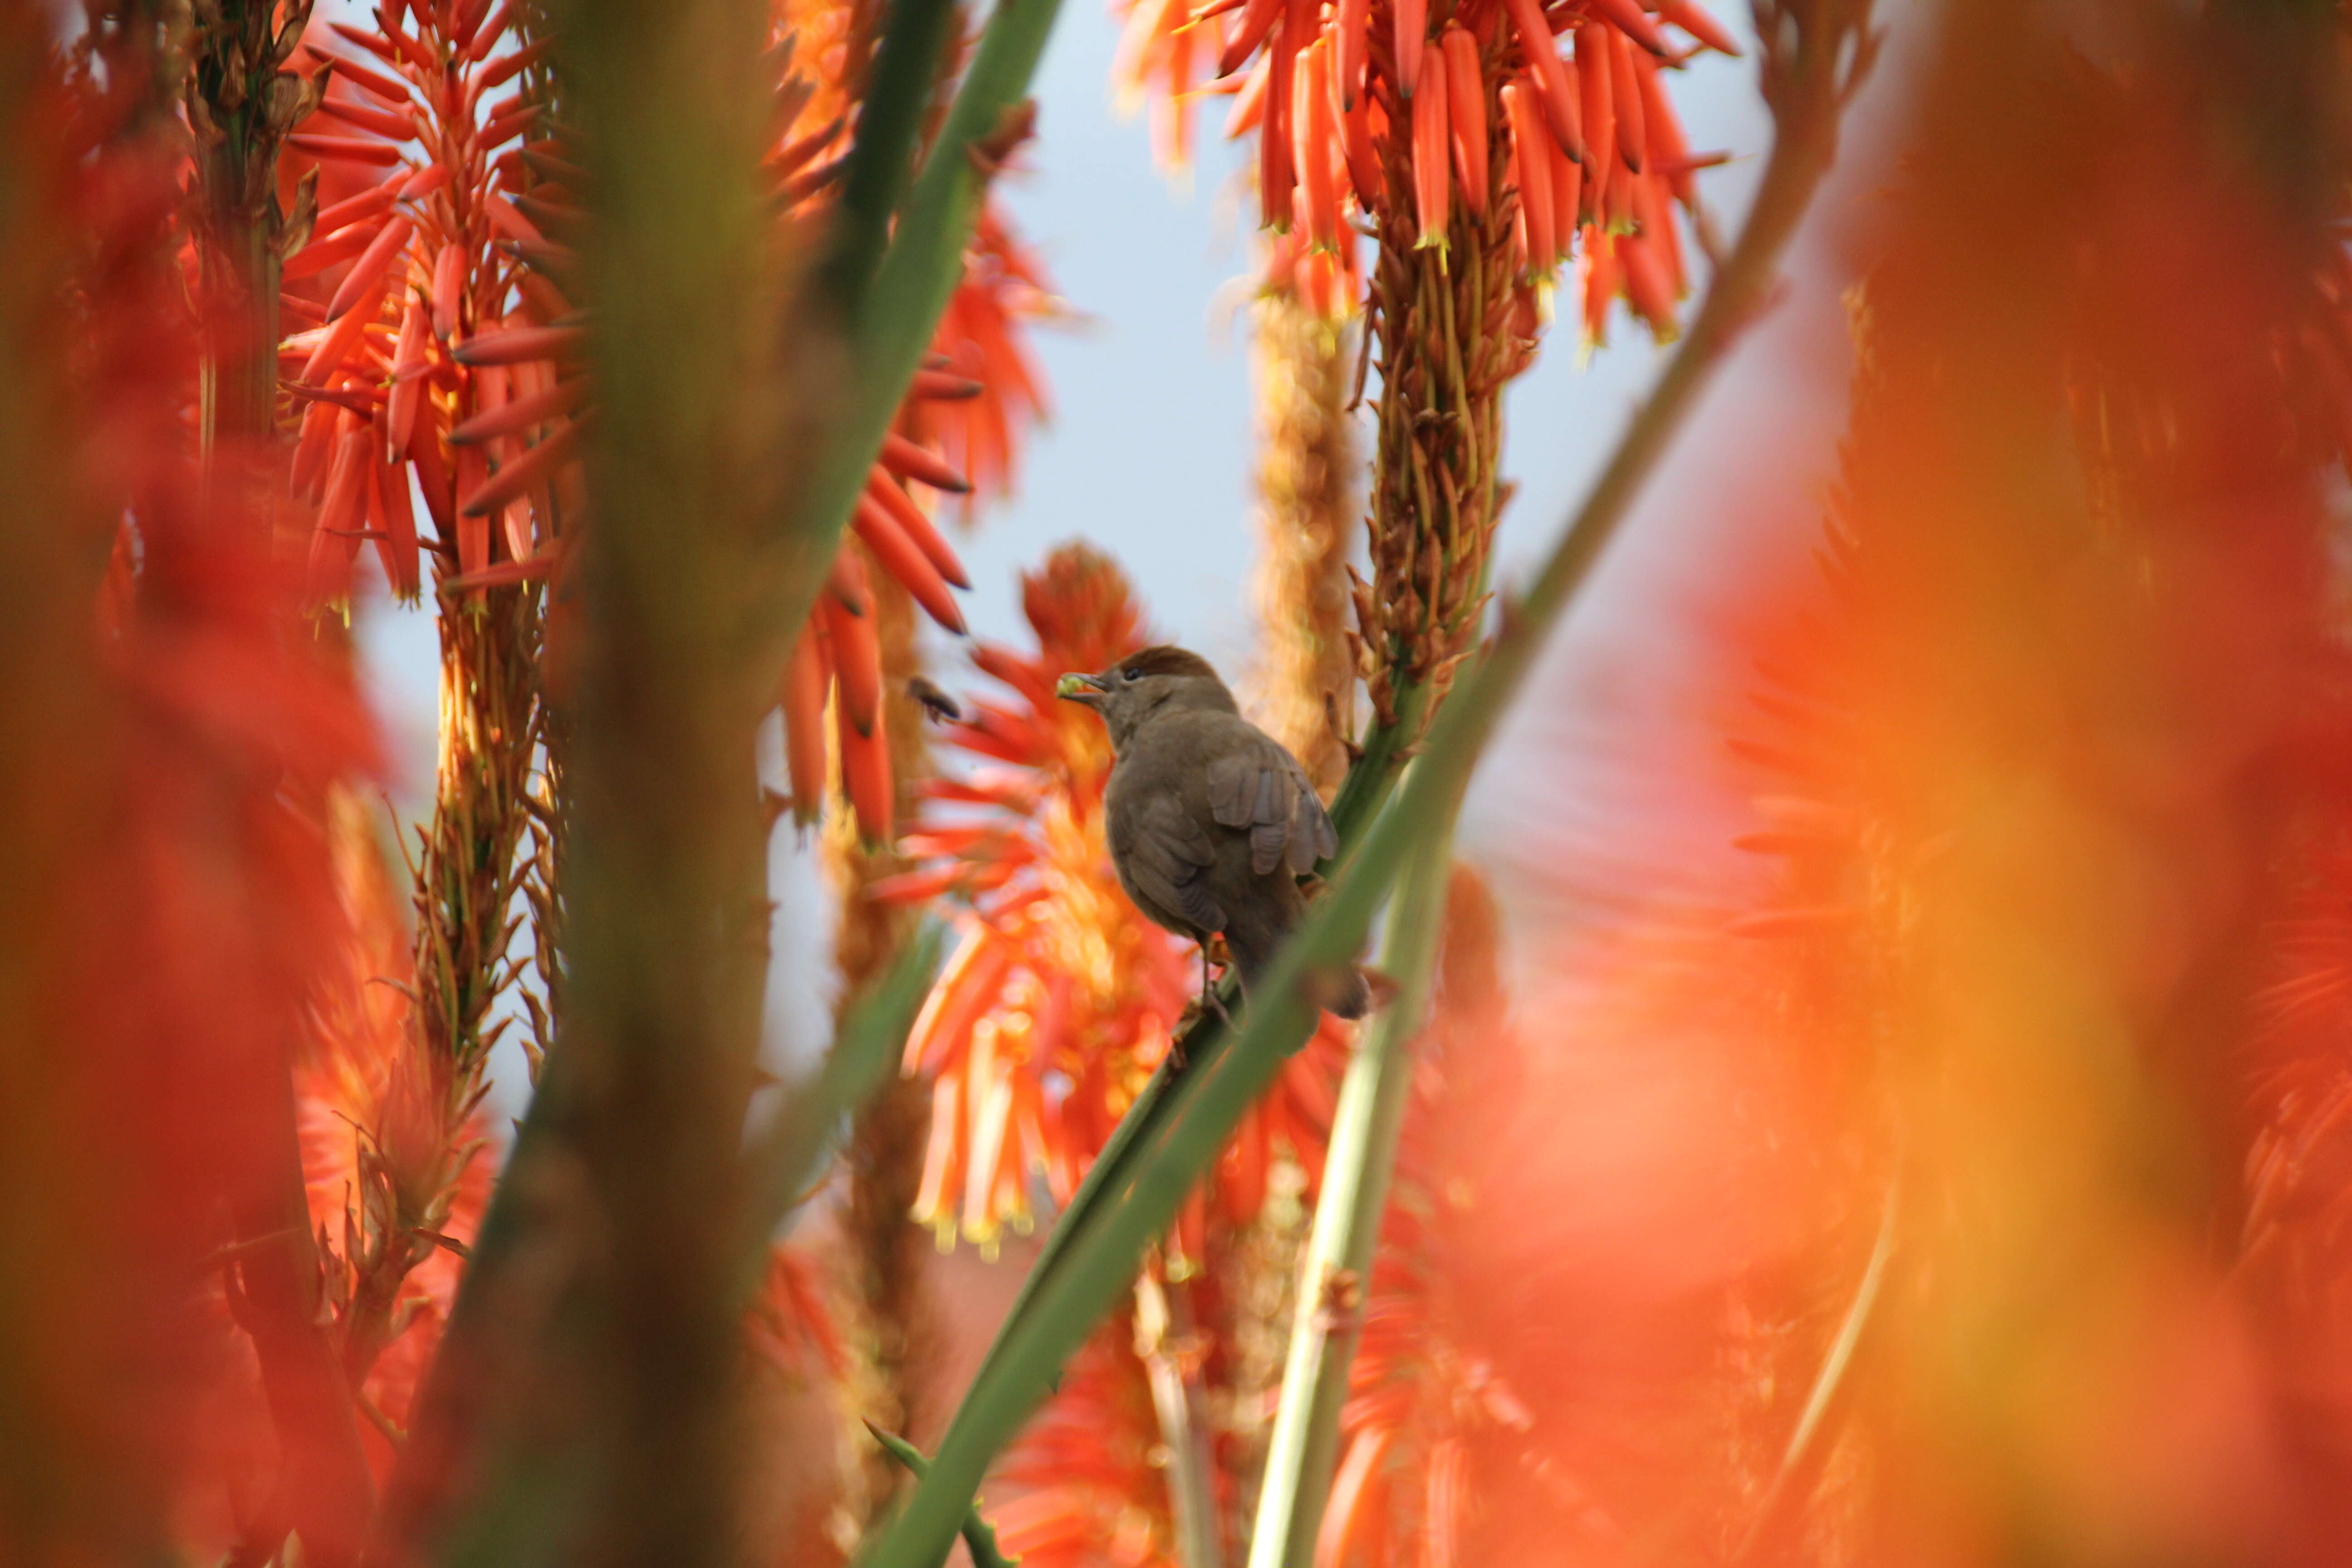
(1256, 786)
(1168, 860)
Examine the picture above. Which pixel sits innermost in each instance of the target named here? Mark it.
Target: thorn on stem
(1015, 124)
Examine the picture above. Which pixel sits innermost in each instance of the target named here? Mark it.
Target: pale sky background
(1149, 455)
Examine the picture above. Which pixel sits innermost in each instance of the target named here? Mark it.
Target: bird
(1211, 821)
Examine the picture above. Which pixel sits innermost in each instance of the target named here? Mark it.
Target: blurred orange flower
(1086, 1484)
(172, 731)
(1970, 1191)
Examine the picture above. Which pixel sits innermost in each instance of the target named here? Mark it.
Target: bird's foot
(1213, 950)
(1208, 1002)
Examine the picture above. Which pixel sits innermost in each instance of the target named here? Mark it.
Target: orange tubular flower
(791, 1323)
(993, 392)
(1466, 107)
(1607, 119)
(1531, 172)
(1060, 999)
(1317, 149)
(1433, 187)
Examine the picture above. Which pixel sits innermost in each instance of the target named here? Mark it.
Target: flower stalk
(1445, 327)
(240, 106)
(432, 281)
(884, 1157)
(1164, 1327)
(1307, 466)
(1337, 1265)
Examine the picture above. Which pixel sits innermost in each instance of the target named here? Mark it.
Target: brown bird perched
(1211, 822)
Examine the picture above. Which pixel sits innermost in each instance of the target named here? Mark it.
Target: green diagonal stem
(889, 123)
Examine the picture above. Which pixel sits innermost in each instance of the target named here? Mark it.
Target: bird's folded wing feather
(1170, 860)
(1258, 787)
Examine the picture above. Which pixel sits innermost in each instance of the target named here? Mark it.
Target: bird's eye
(1130, 673)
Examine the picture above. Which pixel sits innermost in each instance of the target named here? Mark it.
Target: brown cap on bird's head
(1164, 659)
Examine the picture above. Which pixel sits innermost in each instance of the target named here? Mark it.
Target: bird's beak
(1085, 689)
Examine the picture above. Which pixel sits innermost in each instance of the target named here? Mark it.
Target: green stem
(788, 1156)
(1374, 772)
(1097, 1264)
(1163, 1317)
(1805, 84)
(888, 121)
(918, 274)
(241, 265)
(1337, 1270)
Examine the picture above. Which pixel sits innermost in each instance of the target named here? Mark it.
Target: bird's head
(1147, 682)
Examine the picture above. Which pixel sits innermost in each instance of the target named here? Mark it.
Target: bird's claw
(1207, 1002)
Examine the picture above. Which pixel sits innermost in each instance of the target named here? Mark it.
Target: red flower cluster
(1472, 116)
(168, 898)
(1087, 1483)
(437, 339)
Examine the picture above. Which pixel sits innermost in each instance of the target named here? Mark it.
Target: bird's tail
(1339, 989)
